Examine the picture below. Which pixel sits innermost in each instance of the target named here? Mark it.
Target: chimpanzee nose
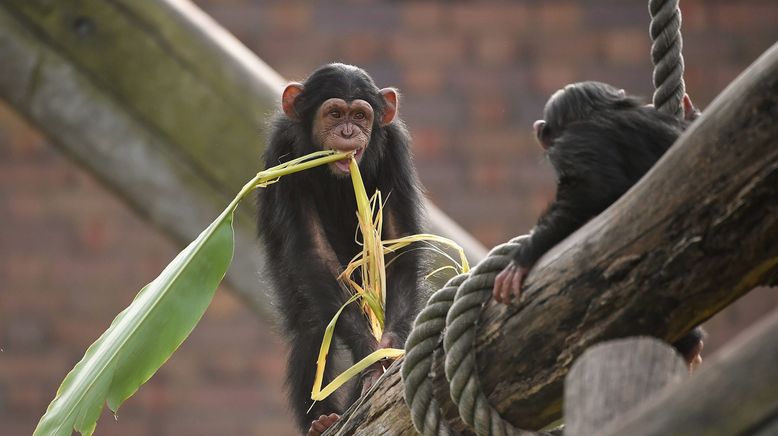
(347, 131)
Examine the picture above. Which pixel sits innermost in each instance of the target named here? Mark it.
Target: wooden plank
(611, 378)
(695, 234)
(736, 392)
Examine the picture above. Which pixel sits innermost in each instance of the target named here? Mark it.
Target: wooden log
(160, 103)
(695, 234)
(97, 129)
(611, 378)
(736, 392)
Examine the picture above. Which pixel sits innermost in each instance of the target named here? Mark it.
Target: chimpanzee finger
(331, 419)
(516, 283)
(505, 290)
(497, 286)
(501, 283)
(317, 427)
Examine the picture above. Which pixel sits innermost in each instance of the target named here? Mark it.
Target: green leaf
(144, 335)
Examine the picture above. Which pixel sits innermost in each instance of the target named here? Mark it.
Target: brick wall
(474, 75)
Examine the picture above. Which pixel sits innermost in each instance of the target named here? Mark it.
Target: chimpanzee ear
(288, 97)
(391, 104)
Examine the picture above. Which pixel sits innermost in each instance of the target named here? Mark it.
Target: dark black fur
(600, 143)
(307, 292)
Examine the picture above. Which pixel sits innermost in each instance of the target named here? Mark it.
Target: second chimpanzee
(308, 222)
(600, 141)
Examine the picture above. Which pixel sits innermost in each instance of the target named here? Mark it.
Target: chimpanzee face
(341, 123)
(343, 126)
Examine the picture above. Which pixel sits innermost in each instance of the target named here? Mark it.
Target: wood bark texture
(736, 392)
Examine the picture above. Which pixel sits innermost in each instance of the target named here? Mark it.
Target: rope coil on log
(666, 46)
(456, 307)
(459, 340)
(420, 347)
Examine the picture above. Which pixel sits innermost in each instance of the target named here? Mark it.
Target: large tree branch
(695, 234)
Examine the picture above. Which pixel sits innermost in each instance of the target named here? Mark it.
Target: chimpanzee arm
(351, 325)
(304, 267)
(571, 209)
(590, 176)
(402, 302)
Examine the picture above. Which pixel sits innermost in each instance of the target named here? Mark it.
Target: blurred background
(473, 78)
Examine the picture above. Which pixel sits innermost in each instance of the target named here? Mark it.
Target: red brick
(548, 78)
(496, 49)
(488, 79)
(423, 80)
(441, 179)
(627, 47)
(490, 174)
(424, 49)
(20, 139)
(25, 396)
(366, 48)
(290, 17)
(489, 142)
(564, 48)
(428, 143)
(225, 305)
(746, 17)
(559, 16)
(490, 17)
(489, 109)
(695, 15)
(35, 367)
(422, 16)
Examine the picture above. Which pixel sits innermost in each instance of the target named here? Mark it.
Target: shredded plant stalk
(372, 291)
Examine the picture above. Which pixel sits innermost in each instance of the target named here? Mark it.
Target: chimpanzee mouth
(342, 166)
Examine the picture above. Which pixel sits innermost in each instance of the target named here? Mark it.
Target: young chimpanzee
(308, 225)
(600, 142)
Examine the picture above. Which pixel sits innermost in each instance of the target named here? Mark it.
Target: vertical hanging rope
(666, 46)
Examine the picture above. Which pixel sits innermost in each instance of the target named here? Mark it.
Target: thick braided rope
(666, 46)
(459, 341)
(419, 349)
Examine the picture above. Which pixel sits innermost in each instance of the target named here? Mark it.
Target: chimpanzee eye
(359, 116)
(335, 114)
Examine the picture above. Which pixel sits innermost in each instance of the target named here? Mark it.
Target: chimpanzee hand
(371, 375)
(508, 282)
(322, 424)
